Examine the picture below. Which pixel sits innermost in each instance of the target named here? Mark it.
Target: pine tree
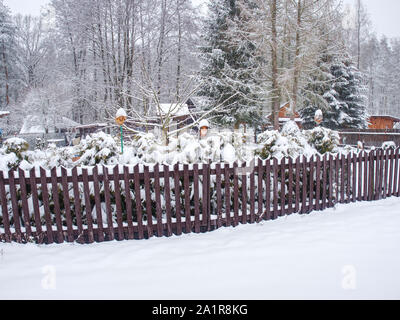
(229, 70)
(336, 89)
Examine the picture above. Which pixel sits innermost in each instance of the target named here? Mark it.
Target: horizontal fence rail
(99, 204)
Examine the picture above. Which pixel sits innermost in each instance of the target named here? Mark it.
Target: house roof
(173, 109)
(395, 119)
(4, 113)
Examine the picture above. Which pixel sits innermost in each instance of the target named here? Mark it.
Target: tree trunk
(296, 62)
(6, 75)
(274, 61)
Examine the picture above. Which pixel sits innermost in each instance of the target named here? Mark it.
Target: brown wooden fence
(100, 204)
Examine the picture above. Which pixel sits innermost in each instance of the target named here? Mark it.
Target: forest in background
(84, 59)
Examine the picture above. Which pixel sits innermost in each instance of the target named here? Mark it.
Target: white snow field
(350, 252)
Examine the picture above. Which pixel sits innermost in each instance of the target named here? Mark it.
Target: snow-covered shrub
(290, 142)
(13, 152)
(98, 148)
(147, 147)
(322, 139)
(388, 145)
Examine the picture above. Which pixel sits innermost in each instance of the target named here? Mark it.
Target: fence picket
(290, 186)
(386, 173)
(304, 182)
(259, 189)
(349, 188)
(25, 207)
(4, 209)
(167, 196)
(56, 201)
(107, 198)
(46, 206)
(158, 200)
(365, 166)
(235, 194)
(318, 183)
(244, 193)
(138, 202)
(275, 184)
(311, 186)
(391, 170)
(331, 173)
(197, 200)
(128, 203)
(67, 204)
(15, 208)
(283, 187)
(227, 186)
(397, 165)
(188, 228)
(297, 192)
(324, 181)
(359, 162)
(118, 203)
(77, 205)
(88, 207)
(396, 184)
(252, 192)
(371, 176)
(177, 200)
(149, 212)
(268, 213)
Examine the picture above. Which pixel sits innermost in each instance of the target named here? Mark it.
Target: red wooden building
(382, 122)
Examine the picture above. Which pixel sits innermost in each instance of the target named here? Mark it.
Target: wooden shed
(382, 122)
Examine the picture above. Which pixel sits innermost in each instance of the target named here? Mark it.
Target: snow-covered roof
(4, 113)
(397, 119)
(91, 125)
(288, 119)
(173, 109)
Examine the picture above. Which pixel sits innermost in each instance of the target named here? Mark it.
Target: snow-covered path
(351, 252)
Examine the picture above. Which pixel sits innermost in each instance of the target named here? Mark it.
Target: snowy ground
(351, 252)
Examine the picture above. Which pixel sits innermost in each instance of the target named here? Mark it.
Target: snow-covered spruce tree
(229, 68)
(337, 89)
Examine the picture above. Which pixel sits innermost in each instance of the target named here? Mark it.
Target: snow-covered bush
(13, 152)
(98, 148)
(322, 139)
(290, 142)
(388, 145)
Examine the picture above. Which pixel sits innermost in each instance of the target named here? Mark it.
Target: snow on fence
(100, 204)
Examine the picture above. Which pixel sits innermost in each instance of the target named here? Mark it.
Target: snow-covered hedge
(226, 146)
(292, 142)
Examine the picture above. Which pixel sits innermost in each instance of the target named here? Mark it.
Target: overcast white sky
(384, 13)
